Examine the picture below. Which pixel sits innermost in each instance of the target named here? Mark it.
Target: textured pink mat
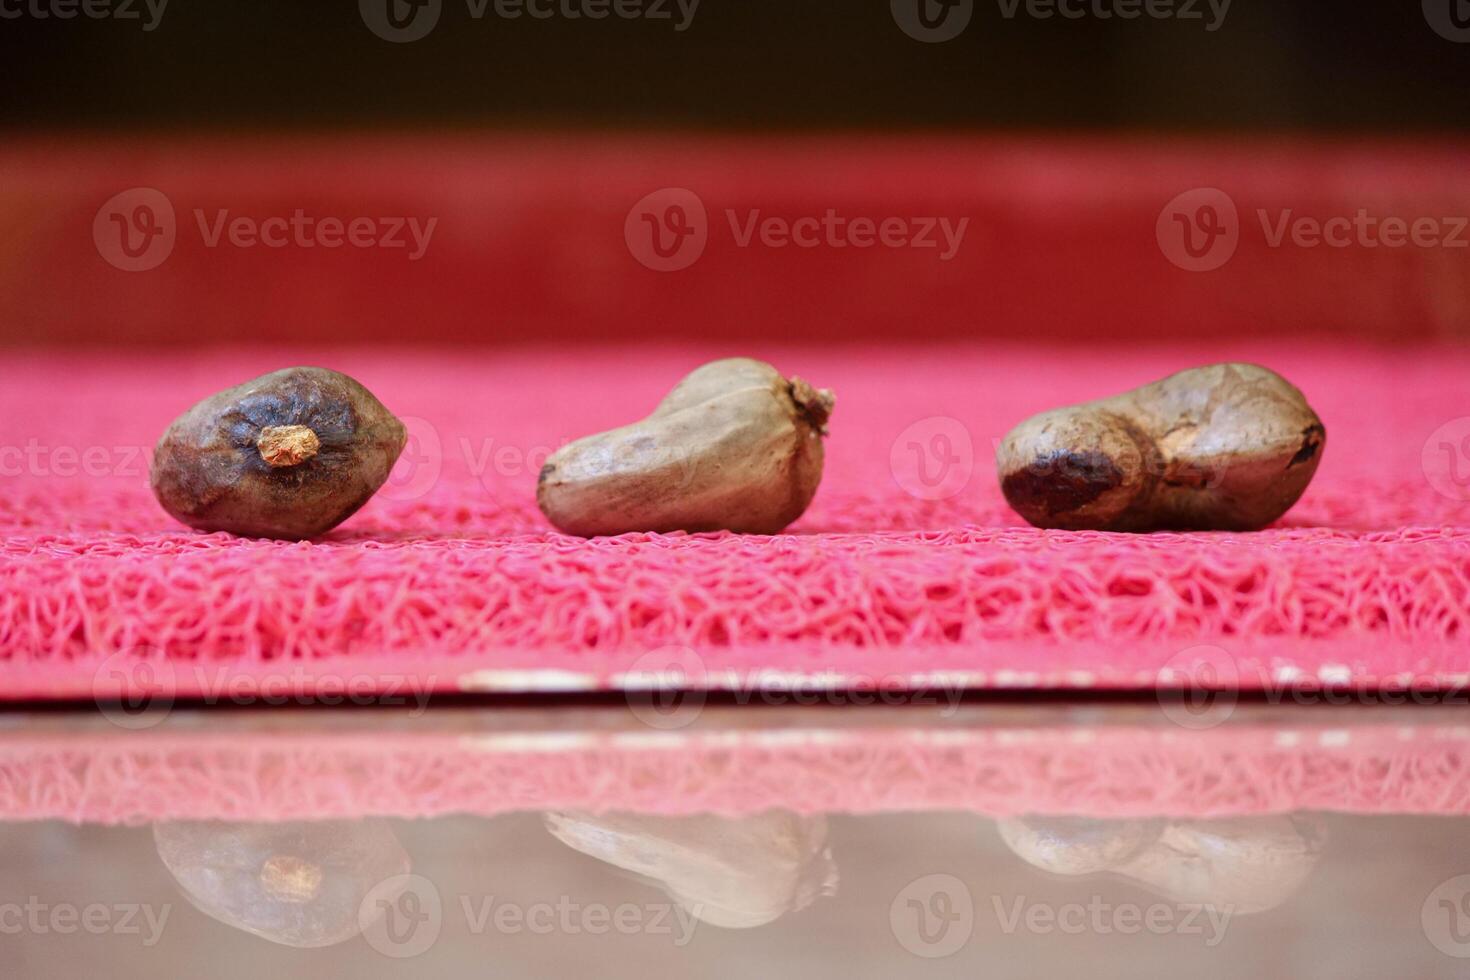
(1130, 770)
(451, 573)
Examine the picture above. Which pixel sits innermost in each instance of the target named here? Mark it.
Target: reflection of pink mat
(1368, 578)
(817, 766)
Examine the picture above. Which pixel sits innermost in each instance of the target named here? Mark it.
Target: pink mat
(451, 575)
(1139, 768)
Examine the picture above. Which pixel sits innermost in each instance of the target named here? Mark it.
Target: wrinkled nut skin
(735, 446)
(1227, 447)
(288, 455)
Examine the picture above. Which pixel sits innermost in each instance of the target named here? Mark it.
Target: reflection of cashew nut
(297, 884)
(1076, 845)
(1246, 864)
(734, 873)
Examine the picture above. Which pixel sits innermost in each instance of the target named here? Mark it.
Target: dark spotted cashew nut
(1226, 447)
(289, 455)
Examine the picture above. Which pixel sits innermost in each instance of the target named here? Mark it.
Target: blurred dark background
(741, 64)
(531, 144)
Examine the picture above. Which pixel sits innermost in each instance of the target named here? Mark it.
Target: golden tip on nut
(291, 879)
(816, 403)
(287, 445)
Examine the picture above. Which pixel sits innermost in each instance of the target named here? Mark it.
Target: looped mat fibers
(1144, 770)
(451, 574)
